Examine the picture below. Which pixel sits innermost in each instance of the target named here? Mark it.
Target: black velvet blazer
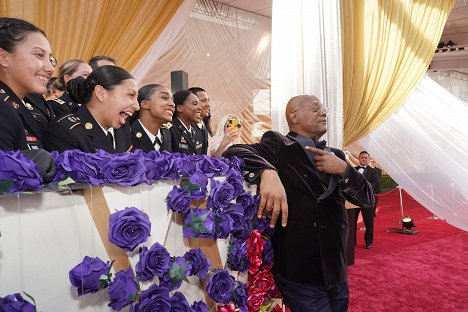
(312, 247)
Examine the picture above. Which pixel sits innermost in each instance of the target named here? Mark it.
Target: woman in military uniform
(110, 94)
(185, 138)
(150, 130)
(68, 71)
(26, 64)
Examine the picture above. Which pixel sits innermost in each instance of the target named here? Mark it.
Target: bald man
(303, 185)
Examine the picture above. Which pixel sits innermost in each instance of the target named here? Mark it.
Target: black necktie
(157, 141)
(110, 139)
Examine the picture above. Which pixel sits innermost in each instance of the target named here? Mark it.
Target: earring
(5, 65)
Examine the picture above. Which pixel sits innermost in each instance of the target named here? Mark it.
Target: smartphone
(232, 123)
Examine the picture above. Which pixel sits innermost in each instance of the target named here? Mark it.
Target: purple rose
(221, 194)
(199, 306)
(200, 179)
(86, 275)
(237, 255)
(245, 231)
(153, 262)
(16, 303)
(263, 225)
(178, 200)
(234, 162)
(185, 166)
(83, 167)
(231, 219)
(122, 291)
(248, 202)
(236, 179)
(178, 272)
(60, 173)
(153, 299)
(220, 286)
(179, 303)
(212, 166)
(128, 228)
(199, 262)
(125, 169)
(161, 166)
(21, 171)
(199, 223)
(240, 295)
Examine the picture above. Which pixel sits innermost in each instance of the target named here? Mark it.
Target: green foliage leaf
(5, 185)
(66, 181)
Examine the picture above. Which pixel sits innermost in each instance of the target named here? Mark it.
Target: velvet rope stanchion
(97, 205)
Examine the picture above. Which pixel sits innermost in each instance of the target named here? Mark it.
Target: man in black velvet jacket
(307, 186)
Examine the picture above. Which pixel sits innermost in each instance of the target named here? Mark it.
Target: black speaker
(179, 80)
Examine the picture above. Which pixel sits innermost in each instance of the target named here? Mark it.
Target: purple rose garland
(230, 213)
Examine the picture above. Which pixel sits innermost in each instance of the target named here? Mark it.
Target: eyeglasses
(316, 110)
(319, 109)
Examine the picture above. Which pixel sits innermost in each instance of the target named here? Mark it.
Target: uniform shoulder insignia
(61, 102)
(2, 91)
(166, 125)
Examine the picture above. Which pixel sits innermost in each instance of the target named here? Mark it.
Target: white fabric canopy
(423, 147)
(306, 59)
(164, 41)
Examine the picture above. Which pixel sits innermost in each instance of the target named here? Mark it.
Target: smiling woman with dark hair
(185, 139)
(110, 94)
(26, 64)
(150, 131)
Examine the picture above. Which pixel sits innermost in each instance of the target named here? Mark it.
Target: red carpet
(423, 272)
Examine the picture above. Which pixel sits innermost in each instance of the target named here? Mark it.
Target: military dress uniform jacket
(312, 247)
(184, 142)
(202, 135)
(140, 139)
(63, 104)
(14, 135)
(81, 131)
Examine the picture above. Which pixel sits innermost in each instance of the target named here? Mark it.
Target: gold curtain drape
(387, 47)
(80, 29)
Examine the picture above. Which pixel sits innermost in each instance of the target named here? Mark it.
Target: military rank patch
(73, 119)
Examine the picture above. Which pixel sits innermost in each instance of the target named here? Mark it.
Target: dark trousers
(368, 218)
(313, 298)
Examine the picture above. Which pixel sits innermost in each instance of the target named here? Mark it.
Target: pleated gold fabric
(387, 47)
(80, 29)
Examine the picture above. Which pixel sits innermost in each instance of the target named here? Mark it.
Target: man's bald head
(298, 101)
(306, 115)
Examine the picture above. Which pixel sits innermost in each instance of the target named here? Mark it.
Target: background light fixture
(407, 223)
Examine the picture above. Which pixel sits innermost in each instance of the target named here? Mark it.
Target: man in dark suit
(371, 175)
(307, 186)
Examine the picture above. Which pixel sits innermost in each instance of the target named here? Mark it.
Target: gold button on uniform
(138, 135)
(251, 175)
(88, 125)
